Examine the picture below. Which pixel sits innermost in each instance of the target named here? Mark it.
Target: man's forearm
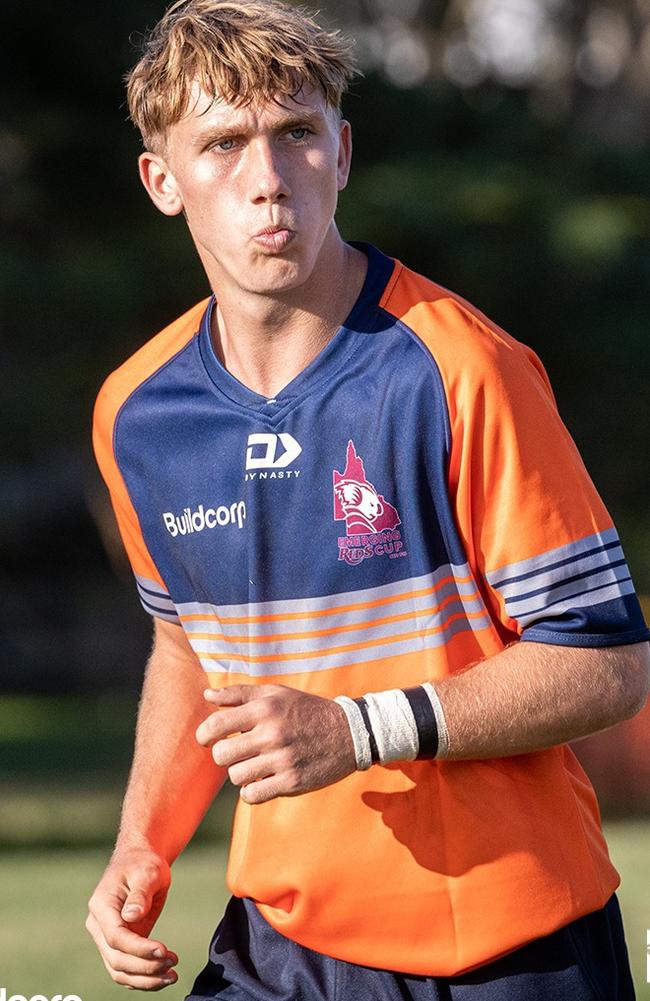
(528, 697)
(173, 780)
(534, 695)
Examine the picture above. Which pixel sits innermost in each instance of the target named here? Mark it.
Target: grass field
(45, 949)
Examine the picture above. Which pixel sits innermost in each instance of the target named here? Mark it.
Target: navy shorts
(249, 961)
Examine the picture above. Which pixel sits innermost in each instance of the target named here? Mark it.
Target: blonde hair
(241, 51)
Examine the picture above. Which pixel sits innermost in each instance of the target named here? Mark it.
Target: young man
(354, 513)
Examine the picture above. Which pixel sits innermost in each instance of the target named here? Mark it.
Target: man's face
(258, 186)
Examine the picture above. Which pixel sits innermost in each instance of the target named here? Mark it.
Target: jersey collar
(361, 321)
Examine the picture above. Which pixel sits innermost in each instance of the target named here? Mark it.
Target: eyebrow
(288, 122)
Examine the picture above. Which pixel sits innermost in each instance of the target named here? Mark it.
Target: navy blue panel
(605, 623)
(181, 442)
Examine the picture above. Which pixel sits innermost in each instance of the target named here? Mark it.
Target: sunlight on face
(259, 186)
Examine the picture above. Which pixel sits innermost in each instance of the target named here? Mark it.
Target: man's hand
(121, 913)
(286, 742)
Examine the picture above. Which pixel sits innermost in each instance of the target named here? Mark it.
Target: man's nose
(267, 178)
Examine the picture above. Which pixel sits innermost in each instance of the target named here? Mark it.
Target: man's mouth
(274, 238)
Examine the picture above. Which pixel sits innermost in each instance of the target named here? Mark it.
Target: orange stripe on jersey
(354, 679)
(241, 620)
(349, 647)
(353, 627)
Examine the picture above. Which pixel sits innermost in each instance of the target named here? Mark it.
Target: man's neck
(266, 342)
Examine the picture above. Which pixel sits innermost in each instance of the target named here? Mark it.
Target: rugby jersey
(409, 504)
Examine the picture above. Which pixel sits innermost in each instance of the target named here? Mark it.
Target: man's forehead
(204, 109)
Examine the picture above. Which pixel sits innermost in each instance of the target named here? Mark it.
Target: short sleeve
(537, 534)
(154, 596)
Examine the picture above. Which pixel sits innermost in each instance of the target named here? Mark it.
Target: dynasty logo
(268, 455)
(370, 521)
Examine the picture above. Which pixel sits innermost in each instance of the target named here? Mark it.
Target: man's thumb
(137, 905)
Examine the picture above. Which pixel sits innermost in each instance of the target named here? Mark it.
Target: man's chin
(275, 274)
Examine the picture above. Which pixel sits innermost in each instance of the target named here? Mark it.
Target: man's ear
(345, 153)
(160, 183)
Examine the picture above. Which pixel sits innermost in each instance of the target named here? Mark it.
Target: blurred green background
(502, 147)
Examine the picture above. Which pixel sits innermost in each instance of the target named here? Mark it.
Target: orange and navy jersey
(409, 504)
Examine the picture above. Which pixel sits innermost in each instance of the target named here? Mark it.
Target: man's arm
(172, 782)
(528, 697)
(534, 695)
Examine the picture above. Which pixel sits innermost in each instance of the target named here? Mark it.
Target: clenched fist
(277, 741)
(121, 913)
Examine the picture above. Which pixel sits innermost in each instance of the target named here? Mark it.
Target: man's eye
(299, 133)
(224, 145)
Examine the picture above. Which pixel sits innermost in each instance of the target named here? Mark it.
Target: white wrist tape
(396, 725)
(443, 733)
(393, 725)
(360, 737)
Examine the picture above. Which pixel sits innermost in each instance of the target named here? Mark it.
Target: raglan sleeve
(153, 594)
(537, 534)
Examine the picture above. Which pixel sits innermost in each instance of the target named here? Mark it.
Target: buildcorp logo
(190, 521)
(36, 997)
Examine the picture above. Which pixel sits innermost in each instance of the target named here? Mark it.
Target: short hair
(238, 50)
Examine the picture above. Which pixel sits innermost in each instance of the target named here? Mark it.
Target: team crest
(370, 521)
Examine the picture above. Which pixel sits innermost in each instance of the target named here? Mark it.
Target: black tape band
(425, 721)
(363, 706)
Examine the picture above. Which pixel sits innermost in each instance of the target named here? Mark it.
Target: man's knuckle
(270, 733)
(247, 772)
(262, 714)
(271, 790)
(275, 733)
(287, 759)
(291, 782)
(214, 725)
(271, 706)
(111, 957)
(150, 872)
(112, 940)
